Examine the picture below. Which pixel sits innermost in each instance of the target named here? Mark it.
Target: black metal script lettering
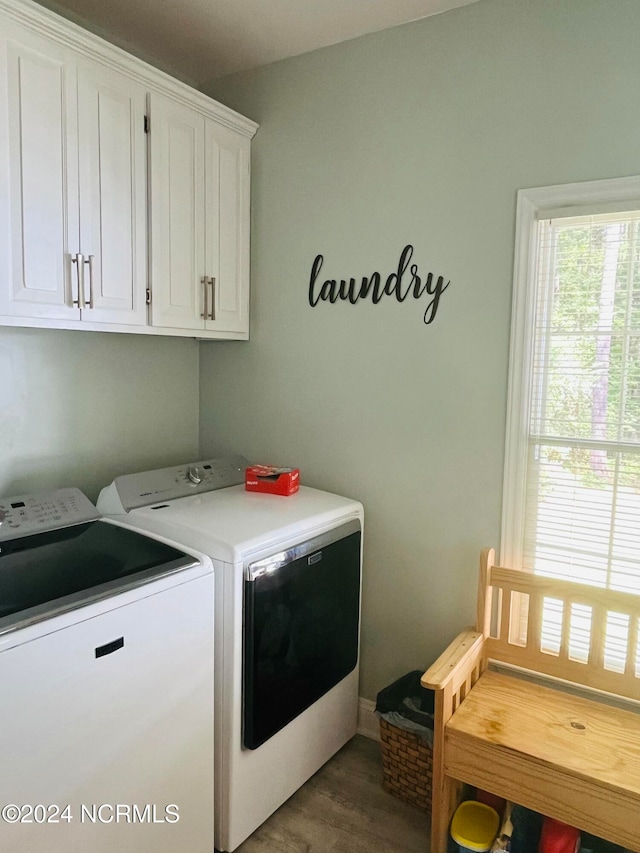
(348, 290)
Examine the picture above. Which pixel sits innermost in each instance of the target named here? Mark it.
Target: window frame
(534, 205)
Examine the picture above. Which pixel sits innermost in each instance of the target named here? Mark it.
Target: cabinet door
(177, 214)
(38, 159)
(112, 160)
(227, 228)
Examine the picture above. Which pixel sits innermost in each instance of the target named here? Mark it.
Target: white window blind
(582, 510)
(571, 499)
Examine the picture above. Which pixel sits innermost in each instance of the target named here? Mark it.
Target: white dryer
(287, 597)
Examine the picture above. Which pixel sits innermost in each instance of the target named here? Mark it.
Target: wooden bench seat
(572, 757)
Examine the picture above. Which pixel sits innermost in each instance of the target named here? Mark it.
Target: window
(571, 500)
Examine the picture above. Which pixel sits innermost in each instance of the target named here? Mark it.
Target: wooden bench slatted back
(581, 634)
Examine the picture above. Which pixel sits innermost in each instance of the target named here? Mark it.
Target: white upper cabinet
(113, 188)
(39, 169)
(77, 186)
(83, 189)
(176, 169)
(227, 216)
(199, 221)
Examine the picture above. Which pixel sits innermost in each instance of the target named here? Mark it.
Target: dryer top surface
(231, 523)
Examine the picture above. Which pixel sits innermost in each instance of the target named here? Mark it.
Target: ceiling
(200, 40)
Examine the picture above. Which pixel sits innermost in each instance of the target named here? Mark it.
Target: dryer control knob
(194, 476)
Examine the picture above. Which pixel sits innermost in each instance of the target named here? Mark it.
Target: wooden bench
(542, 709)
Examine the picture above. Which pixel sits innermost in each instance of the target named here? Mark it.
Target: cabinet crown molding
(70, 34)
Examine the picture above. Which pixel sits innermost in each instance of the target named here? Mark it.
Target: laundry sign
(404, 282)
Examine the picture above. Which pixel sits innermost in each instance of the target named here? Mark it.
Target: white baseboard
(368, 722)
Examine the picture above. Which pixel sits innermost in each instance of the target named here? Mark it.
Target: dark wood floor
(343, 809)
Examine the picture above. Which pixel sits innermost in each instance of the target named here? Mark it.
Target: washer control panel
(166, 484)
(24, 515)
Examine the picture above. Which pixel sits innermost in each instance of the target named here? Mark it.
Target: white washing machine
(287, 592)
(106, 646)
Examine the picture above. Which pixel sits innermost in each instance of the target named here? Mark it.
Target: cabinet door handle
(213, 297)
(89, 261)
(79, 261)
(205, 281)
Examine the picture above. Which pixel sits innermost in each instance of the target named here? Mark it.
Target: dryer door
(301, 628)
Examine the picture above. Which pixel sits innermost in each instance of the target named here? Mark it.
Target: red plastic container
(273, 481)
(558, 837)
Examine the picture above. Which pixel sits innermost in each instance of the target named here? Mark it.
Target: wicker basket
(407, 765)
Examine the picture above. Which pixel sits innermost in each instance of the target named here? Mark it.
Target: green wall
(80, 408)
(418, 135)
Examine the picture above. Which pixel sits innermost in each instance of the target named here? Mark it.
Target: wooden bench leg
(446, 793)
(444, 803)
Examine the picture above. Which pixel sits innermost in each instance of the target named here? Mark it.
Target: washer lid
(59, 570)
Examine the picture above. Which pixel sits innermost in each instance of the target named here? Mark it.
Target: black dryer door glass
(301, 629)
